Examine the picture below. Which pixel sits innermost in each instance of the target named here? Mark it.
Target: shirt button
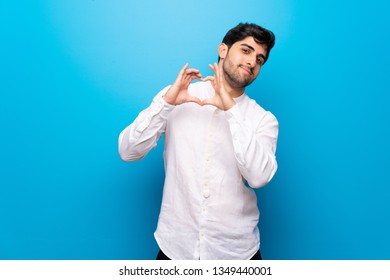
(206, 194)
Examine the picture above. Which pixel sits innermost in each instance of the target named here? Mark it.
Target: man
(219, 144)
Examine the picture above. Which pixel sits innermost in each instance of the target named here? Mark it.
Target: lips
(247, 70)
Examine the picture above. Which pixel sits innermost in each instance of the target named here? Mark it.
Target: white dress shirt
(207, 211)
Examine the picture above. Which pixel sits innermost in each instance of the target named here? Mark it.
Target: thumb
(208, 101)
(211, 79)
(194, 99)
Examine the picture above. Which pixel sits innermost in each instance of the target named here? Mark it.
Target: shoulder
(255, 111)
(253, 107)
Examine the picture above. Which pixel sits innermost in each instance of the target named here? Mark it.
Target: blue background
(73, 74)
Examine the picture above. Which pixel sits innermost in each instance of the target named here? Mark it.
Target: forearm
(254, 148)
(136, 140)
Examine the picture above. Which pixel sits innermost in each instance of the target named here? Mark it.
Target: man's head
(260, 35)
(243, 51)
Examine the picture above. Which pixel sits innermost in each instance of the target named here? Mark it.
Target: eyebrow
(252, 48)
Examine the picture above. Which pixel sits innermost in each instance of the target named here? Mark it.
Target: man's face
(243, 61)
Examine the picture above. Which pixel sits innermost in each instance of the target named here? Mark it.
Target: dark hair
(243, 30)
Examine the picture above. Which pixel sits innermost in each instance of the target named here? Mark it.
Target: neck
(233, 91)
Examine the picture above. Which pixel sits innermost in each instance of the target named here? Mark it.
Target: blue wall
(73, 74)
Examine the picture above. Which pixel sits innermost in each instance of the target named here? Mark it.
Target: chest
(197, 128)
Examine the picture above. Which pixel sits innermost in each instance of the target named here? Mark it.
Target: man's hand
(178, 93)
(221, 99)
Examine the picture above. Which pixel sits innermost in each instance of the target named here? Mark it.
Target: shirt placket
(206, 180)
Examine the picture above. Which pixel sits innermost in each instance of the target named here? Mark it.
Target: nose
(251, 61)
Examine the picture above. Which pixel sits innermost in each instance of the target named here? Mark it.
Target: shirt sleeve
(137, 139)
(254, 147)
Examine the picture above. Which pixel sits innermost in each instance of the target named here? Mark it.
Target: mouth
(247, 69)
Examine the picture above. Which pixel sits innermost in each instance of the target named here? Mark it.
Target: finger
(192, 71)
(189, 78)
(211, 79)
(208, 101)
(187, 81)
(183, 70)
(212, 67)
(217, 72)
(220, 71)
(194, 99)
(181, 73)
(214, 78)
(208, 78)
(195, 74)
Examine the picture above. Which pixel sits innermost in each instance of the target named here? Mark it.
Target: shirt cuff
(161, 107)
(234, 114)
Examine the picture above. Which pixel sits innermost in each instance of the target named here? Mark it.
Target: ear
(222, 50)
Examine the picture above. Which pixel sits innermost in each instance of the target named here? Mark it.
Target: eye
(246, 51)
(260, 60)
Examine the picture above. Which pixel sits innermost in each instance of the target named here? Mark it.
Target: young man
(219, 144)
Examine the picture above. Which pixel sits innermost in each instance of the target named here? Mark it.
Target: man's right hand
(178, 93)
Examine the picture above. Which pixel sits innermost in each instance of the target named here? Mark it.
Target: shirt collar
(240, 98)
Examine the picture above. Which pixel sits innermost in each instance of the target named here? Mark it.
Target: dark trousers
(162, 256)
